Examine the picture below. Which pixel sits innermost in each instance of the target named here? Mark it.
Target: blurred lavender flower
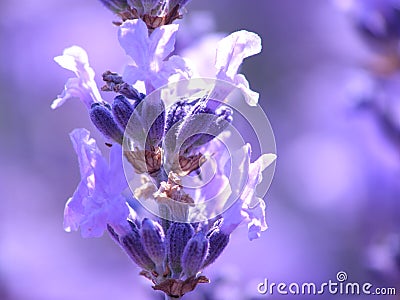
(166, 144)
(375, 87)
(377, 20)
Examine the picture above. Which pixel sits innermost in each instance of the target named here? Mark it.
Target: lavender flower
(83, 86)
(374, 88)
(377, 20)
(231, 51)
(97, 201)
(167, 144)
(149, 55)
(375, 84)
(249, 208)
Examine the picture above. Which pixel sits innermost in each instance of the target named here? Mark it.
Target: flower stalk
(169, 144)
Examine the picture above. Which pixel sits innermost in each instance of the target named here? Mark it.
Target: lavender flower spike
(249, 207)
(231, 51)
(97, 200)
(83, 86)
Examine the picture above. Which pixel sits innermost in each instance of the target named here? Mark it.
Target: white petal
(234, 48)
(266, 160)
(84, 87)
(250, 96)
(133, 37)
(74, 58)
(73, 89)
(162, 41)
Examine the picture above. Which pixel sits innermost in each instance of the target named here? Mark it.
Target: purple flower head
(249, 207)
(97, 200)
(177, 137)
(83, 85)
(149, 54)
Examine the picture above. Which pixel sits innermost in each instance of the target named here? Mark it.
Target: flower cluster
(167, 143)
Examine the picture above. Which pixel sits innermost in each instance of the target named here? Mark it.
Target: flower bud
(202, 125)
(194, 254)
(115, 83)
(102, 118)
(177, 112)
(152, 113)
(122, 110)
(133, 247)
(156, 132)
(218, 241)
(177, 237)
(152, 239)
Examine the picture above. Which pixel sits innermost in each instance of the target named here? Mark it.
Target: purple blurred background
(334, 202)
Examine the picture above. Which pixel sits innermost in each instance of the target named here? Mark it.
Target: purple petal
(133, 37)
(248, 207)
(162, 41)
(97, 200)
(74, 210)
(250, 96)
(86, 149)
(231, 51)
(119, 182)
(149, 54)
(132, 74)
(83, 86)
(257, 222)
